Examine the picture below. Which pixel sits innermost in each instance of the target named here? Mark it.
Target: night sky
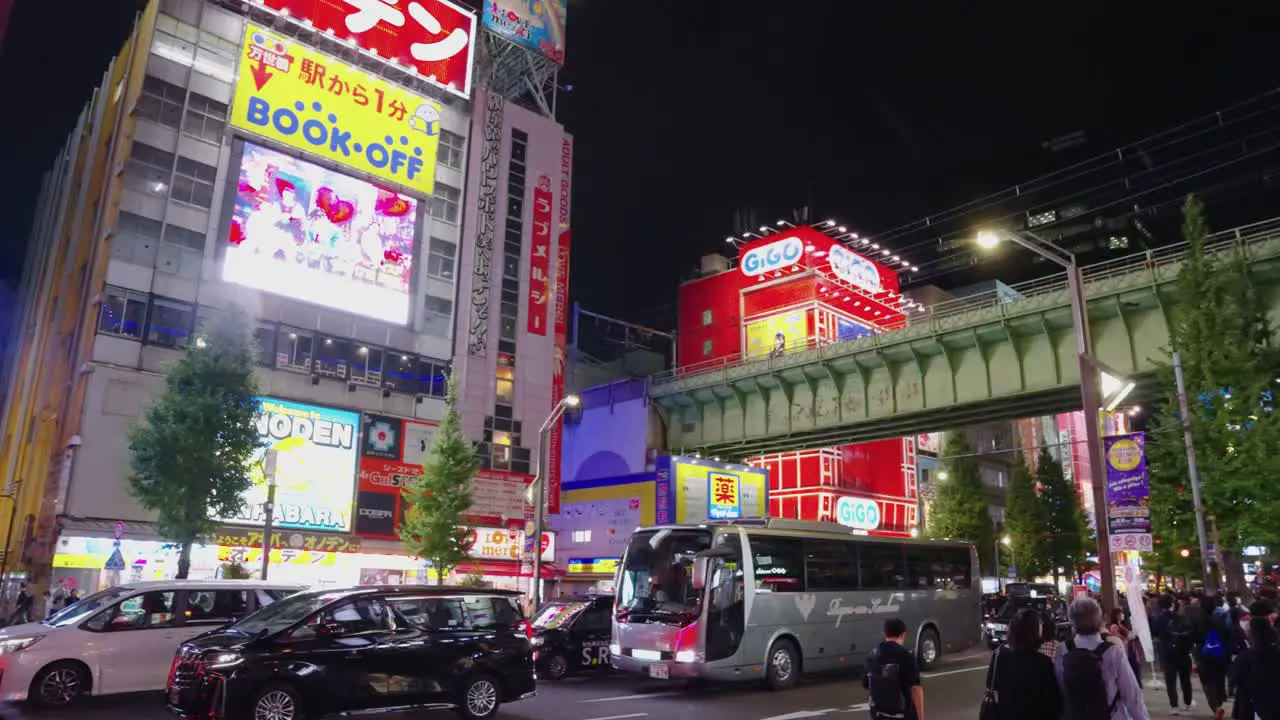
(876, 114)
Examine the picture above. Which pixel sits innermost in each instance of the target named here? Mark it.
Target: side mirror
(700, 565)
(328, 630)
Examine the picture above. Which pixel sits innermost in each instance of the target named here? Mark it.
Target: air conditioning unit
(714, 264)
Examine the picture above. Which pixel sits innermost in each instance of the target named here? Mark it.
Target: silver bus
(771, 599)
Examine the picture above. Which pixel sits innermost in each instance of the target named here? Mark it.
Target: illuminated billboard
(775, 335)
(316, 450)
(694, 490)
(308, 233)
(537, 25)
(296, 96)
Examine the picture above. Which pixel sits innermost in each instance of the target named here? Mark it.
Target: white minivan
(120, 640)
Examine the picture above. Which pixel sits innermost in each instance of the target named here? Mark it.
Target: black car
(360, 651)
(996, 628)
(571, 635)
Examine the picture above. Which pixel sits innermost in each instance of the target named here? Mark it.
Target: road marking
(954, 672)
(621, 717)
(799, 715)
(645, 696)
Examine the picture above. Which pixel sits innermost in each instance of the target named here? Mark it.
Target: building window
(206, 118)
(501, 457)
(366, 366)
(399, 372)
(170, 323)
(160, 102)
(148, 169)
(706, 318)
(581, 536)
(441, 256)
(450, 150)
(706, 348)
(123, 312)
(264, 340)
(445, 202)
(293, 350)
(215, 57)
(438, 318)
(182, 237)
(332, 358)
(433, 378)
(193, 183)
(506, 386)
(137, 226)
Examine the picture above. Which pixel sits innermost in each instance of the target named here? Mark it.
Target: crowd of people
(1096, 673)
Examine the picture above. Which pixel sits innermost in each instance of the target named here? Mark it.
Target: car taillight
(527, 628)
(173, 669)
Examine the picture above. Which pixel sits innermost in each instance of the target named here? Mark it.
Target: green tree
(190, 454)
(1219, 326)
(1026, 522)
(1068, 530)
(959, 508)
(433, 527)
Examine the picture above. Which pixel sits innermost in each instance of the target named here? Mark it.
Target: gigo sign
(767, 258)
(854, 269)
(858, 513)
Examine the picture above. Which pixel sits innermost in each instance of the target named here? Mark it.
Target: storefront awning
(500, 568)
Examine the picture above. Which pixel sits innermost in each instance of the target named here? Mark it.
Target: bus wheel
(928, 648)
(783, 665)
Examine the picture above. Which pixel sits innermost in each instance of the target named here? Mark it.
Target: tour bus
(770, 599)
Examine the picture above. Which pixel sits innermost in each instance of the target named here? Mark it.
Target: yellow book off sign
(297, 96)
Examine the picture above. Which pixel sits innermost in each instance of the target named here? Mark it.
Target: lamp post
(1089, 393)
(540, 494)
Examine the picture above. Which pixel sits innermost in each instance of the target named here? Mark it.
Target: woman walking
(1020, 677)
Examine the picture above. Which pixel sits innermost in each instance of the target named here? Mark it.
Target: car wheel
(928, 649)
(782, 665)
(276, 702)
(59, 684)
(480, 698)
(557, 667)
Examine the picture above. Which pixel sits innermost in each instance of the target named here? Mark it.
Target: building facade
(327, 181)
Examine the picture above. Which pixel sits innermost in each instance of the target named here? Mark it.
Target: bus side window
(920, 566)
(779, 563)
(959, 569)
(883, 567)
(831, 565)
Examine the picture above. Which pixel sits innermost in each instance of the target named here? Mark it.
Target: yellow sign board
(592, 566)
(302, 98)
(707, 491)
(279, 556)
(775, 335)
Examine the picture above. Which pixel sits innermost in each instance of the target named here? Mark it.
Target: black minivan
(360, 651)
(571, 635)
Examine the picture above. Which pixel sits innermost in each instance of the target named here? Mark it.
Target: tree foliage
(433, 527)
(1218, 324)
(189, 455)
(1069, 538)
(959, 509)
(1026, 522)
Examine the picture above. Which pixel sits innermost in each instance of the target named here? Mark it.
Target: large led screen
(311, 234)
(316, 452)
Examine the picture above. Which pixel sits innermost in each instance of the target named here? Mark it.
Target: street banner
(1128, 493)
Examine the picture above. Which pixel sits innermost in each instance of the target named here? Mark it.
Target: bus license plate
(659, 672)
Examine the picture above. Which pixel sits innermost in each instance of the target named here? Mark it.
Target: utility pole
(1184, 416)
(268, 509)
(1215, 553)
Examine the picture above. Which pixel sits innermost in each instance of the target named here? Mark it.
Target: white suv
(122, 639)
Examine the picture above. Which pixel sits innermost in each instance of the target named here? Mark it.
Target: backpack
(1085, 691)
(1177, 635)
(885, 687)
(1215, 645)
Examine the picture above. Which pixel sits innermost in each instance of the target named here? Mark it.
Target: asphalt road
(952, 691)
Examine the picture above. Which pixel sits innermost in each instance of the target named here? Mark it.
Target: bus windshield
(655, 583)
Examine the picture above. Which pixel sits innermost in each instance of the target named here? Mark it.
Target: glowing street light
(988, 240)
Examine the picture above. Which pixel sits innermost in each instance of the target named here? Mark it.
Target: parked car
(571, 635)
(120, 640)
(360, 651)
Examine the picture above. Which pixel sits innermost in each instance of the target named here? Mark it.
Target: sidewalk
(1158, 700)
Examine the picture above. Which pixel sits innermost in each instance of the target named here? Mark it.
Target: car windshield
(72, 614)
(1012, 607)
(654, 584)
(558, 614)
(284, 613)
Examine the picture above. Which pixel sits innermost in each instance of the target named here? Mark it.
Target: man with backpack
(1172, 631)
(893, 678)
(1093, 670)
(1216, 647)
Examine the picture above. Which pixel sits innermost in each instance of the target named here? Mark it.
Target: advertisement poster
(289, 93)
(537, 25)
(694, 480)
(610, 522)
(316, 450)
(847, 329)
(723, 502)
(1128, 492)
(391, 451)
(560, 325)
(776, 335)
(540, 257)
(308, 233)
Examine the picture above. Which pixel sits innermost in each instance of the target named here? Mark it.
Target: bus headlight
(686, 656)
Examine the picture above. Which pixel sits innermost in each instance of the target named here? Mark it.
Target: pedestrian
(1119, 627)
(1093, 672)
(22, 606)
(892, 677)
(1256, 675)
(1174, 633)
(1020, 677)
(1048, 634)
(1238, 617)
(1213, 653)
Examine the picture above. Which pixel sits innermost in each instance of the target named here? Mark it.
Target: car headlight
(537, 641)
(615, 649)
(686, 656)
(14, 645)
(221, 660)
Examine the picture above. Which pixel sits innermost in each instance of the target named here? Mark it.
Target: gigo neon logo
(854, 269)
(858, 513)
(773, 256)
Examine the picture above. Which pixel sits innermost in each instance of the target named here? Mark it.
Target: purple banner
(1128, 488)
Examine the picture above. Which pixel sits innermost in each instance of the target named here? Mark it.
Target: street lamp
(540, 493)
(1089, 394)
